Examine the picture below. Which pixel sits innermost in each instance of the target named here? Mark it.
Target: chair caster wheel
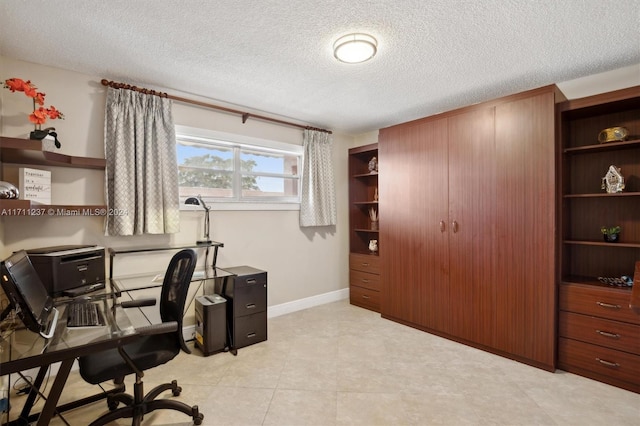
(175, 389)
(198, 417)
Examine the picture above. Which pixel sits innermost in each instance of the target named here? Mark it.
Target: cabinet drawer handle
(364, 296)
(364, 280)
(443, 226)
(365, 264)
(607, 334)
(454, 226)
(608, 305)
(251, 281)
(250, 305)
(250, 335)
(608, 363)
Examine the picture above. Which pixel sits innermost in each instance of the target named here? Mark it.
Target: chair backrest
(174, 289)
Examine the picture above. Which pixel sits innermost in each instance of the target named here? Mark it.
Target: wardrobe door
(414, 223)
(472, 216)
(525, 227)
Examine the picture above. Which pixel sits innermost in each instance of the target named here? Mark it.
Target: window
(232, 168)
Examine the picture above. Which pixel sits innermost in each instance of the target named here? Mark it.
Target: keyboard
(84, 314)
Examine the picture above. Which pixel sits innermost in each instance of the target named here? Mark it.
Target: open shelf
(610, 146)
(603, 194)
(602, 243)
(27, 151)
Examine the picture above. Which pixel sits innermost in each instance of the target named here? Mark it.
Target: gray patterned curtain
(318, 201)
(142, 175)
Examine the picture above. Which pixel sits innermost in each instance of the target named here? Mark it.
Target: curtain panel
(142, 172)
(318, 198)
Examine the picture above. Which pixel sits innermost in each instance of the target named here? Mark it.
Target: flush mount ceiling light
(355, 48)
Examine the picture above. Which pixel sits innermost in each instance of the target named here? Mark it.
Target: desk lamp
(198, 201)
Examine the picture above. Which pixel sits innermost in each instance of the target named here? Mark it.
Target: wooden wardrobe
(468, 199)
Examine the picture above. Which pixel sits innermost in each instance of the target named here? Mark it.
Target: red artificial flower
(53, 113)
(39, 115)
(39, 98)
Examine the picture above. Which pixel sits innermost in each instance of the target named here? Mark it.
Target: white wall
(301, 263)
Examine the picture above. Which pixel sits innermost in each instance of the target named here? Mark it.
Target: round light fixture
(355, 48)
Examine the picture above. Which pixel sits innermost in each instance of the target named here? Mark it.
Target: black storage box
(211, 324)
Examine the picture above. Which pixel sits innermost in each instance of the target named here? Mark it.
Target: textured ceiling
(275, 55)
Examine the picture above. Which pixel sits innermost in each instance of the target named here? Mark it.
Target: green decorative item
(611, 234)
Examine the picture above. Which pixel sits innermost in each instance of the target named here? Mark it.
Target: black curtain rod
(244, 115)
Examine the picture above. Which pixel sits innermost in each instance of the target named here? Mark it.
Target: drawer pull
(364, 280)
(365, 264)
(608, 363)
(250, 305)
(364, 296)
(250, 335)
(607, 334)
(251, 281)
(608, 305)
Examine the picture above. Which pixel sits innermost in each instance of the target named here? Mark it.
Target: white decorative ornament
(613, 181)
(373, 245)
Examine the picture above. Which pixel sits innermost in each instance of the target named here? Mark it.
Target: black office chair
(158, 344)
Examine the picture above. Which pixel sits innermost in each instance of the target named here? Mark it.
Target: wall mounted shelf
(30, 152)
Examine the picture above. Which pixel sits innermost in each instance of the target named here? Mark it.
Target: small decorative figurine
(613, 181)
(373, 246)
(373, 165)
(375, 195)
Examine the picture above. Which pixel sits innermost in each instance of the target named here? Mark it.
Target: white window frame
(243, 142)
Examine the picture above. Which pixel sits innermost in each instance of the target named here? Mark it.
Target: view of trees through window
(236, 172)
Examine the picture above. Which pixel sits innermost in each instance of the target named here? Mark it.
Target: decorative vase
(611, 238)
(374, 225)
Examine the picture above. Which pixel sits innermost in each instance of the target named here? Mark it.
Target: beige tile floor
(337, 364)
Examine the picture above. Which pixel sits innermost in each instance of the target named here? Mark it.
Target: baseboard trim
(306, 303)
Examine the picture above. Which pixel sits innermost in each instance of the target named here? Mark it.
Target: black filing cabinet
(246, 294)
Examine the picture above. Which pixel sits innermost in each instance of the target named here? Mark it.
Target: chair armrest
(162, 328)
(137, 303)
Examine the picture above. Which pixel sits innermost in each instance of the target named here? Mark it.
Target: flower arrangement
(40, 114)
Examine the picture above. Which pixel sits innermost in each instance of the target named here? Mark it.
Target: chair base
(137, 406)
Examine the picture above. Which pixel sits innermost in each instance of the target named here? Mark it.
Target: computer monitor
(27, 294)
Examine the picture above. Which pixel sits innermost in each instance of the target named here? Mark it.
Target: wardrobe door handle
(442, 226)
(454, 226)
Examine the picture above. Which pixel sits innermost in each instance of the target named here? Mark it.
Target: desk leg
(33, 392)
(49, 409)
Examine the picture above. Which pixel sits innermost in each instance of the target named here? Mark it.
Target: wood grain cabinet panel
(468, 224)
(608, 365)
(599, 331)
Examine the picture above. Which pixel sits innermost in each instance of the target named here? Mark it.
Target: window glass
(225, 170)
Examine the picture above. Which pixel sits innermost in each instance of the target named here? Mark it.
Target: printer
(69, 270)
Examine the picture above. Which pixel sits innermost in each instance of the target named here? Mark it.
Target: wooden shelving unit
(586, 305)
(364, 271)
(30, 152)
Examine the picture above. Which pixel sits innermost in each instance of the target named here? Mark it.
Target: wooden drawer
(610, 303)
(365, 263)
(364, 279)
(604, 362)
(612, 334)
(365, 298)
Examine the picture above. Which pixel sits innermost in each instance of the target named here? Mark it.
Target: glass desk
(21, 349)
